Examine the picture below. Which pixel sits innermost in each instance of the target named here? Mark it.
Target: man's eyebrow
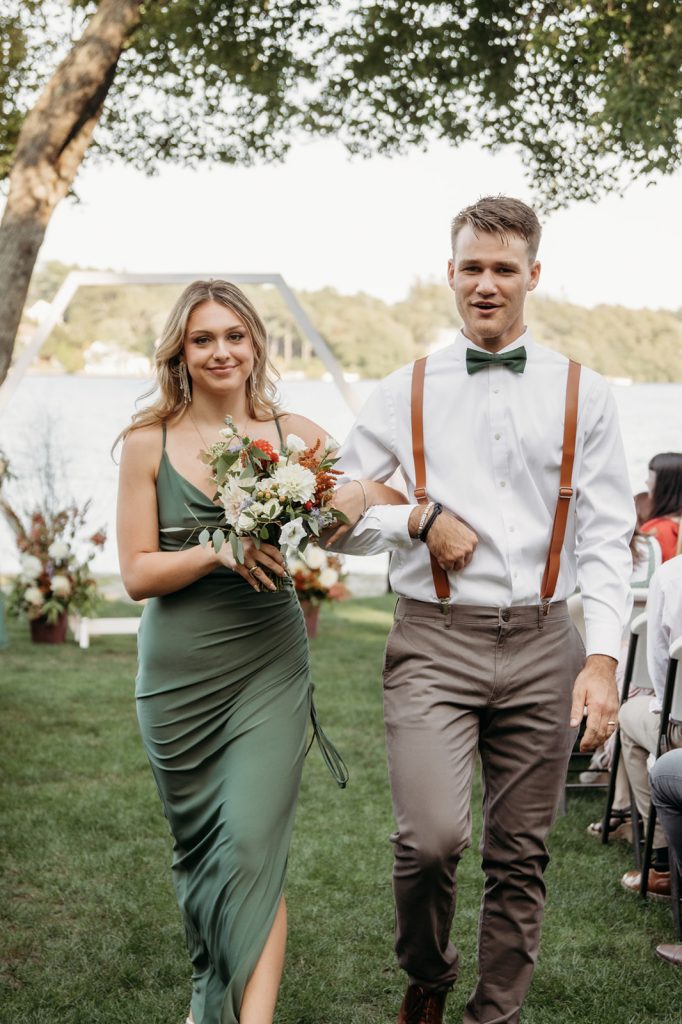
(508, 264)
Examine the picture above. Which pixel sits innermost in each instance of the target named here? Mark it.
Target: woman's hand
(258, 563)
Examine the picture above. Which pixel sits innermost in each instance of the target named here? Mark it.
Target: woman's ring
(253, 569)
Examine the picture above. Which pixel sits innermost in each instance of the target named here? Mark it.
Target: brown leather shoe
(658, 885)
(673, 954)
(420, 1006)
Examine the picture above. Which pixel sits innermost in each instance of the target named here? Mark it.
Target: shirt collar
(462, 343)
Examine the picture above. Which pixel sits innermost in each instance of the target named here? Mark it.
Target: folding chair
(636, 675)
(671, 708)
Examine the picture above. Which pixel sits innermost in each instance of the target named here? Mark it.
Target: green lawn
(90, 932)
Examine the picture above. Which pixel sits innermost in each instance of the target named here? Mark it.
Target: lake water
(84, 415)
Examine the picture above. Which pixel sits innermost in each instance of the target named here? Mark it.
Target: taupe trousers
(639, 730)
(497, 682)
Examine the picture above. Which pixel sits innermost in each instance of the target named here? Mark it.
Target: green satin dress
(223, 697)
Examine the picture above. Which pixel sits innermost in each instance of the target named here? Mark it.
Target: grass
(90, 930)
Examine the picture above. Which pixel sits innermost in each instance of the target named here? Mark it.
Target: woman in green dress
(223, 687)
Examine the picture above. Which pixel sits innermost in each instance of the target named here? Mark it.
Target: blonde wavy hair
(261, 389)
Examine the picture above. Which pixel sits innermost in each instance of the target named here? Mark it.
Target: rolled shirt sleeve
(369, 452)
(605, 521)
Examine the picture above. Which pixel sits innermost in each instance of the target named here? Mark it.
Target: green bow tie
(514, 360)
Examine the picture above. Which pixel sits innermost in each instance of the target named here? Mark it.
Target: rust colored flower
(267, 449)
(325, 482)
(309, 459)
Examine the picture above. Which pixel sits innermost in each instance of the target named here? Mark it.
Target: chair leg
(637, 838)
(648, 847)
(610, 794)
(676, 894)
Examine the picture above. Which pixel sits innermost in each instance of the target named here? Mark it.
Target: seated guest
(639, 717)
(665, 486)
(646, 559)
(666, 795)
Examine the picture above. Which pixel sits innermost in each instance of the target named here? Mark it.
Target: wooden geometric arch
(86, 278)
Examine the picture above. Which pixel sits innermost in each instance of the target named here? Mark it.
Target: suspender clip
(444, 605)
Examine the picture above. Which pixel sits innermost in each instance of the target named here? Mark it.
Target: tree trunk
(50, 149)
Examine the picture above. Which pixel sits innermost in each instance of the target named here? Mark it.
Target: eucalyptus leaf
(340, 517)
(234, 544)
(240, 551)
(204, 537)
(264, 533)
(218, 540)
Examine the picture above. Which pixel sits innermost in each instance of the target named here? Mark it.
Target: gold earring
(184, 383)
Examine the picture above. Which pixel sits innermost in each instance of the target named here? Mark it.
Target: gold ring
(610, 723)
(253, 569)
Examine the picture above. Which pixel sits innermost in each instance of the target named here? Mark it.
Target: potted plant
(318, 577)
(55, 553)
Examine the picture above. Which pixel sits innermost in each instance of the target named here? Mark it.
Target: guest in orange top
(665, 486)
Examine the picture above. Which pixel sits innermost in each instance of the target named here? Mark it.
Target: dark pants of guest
(498, 682)
(666, 794)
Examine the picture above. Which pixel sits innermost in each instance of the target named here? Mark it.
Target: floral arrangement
(54, 577)
(318, 575)
(283, 498)
(5, 471)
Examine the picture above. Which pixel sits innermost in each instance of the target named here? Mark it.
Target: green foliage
(91, 930)
(588, 91)
(371, 337)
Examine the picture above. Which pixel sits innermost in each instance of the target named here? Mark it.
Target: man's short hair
(501, 216)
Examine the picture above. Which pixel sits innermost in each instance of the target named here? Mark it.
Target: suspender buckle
(420, 495)
(444, 605)
(566, 492)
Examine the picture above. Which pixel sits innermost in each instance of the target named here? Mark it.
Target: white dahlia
(233, 497)
(295, 482)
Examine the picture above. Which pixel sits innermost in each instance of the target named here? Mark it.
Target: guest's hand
(595, 689)
(449, 540)
(260, 564)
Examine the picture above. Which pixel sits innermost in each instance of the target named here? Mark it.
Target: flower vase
(311, 614)
(44, 632)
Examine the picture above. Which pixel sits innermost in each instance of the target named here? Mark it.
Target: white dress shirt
(493, 444)
(664, 623)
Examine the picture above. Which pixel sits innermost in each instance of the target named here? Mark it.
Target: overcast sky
(372, 225)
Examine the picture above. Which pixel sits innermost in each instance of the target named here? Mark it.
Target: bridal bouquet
(284, 498)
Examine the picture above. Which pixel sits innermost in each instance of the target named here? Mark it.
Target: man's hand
(449, 540)
(595, 689)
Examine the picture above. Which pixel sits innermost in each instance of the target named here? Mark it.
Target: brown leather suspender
(551, 573)
(440, 577)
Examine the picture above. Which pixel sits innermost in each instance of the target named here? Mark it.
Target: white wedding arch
(88, 278)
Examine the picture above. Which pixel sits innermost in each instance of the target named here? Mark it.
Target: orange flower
(267, 449)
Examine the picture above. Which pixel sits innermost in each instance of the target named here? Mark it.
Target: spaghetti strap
(163, 435)
(279, 431)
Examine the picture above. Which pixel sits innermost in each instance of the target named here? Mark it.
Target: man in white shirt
(492, 668)
(639, 717)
